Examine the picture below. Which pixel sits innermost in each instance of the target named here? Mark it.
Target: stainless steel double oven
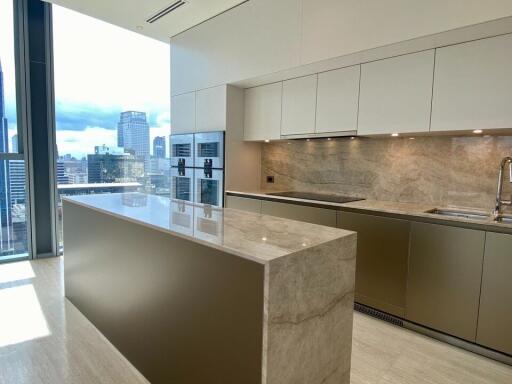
(197, 168)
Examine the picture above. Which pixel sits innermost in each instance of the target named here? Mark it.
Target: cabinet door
(307, 214)
(299, 106)
(183, 113)
(262, 116)
(211, 109)
(243, 203)
(445, 271)
(381, 267)
(396, 94)
(495, 317)
(337, 100)
(473, 85)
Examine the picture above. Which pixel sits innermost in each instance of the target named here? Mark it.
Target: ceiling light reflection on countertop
(477, 131)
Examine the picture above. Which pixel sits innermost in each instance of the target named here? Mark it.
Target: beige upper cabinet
(473, 85)
(299, 106)
(211, 109)
(262, 116)
(396, 94)
(183, 113)
(337, 100)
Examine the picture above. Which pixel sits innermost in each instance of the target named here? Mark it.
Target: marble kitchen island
(196, 294)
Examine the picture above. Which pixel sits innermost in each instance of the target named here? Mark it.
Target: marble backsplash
(441, 170)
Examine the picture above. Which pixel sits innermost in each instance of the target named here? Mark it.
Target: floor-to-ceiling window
(112, 90)
(13, 191)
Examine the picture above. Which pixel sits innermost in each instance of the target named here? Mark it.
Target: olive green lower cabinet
(315, 215)
(444, 279)
(243, 204)
(381, 268)
(495, 320)
(322, 216)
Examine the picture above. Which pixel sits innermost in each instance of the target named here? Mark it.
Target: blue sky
(100, 71)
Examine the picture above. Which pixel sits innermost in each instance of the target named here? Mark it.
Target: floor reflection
(12, 272)
(21, 318)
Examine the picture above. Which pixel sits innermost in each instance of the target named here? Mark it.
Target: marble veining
(309, 298)
(441, 170)
(257, 237)
(390, 207)
(308, 280)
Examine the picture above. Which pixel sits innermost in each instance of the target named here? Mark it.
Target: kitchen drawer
(495, 316)
(313, 215)
(381, 268)
(243, 204)
(445, 271)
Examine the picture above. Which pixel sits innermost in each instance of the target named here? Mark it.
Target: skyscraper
(159, 147)
(17, 182)
(133, 133)
(5, 195)
(111, 165)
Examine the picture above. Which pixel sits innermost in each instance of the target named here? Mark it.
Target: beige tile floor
(45, 339)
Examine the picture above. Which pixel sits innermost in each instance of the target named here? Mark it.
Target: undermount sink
(468, 214)
(465, 214)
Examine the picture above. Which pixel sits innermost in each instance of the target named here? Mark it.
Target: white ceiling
(132, 14)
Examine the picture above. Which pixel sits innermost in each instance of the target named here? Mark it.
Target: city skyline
(117, 70)
(5, 191)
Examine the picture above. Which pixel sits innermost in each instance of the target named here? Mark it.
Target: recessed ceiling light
(477, 131)
(139, 27)
(394, 134)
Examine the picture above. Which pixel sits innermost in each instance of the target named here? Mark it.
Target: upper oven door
(182, 184)
(182, 149)
(209, 188)
(209, 149)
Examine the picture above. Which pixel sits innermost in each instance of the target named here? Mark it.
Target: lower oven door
(209, 190)
(182, 184)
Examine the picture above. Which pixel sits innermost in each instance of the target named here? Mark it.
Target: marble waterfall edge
(309, 298)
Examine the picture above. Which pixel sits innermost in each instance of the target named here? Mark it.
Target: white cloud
(80, 143)
(101, 64)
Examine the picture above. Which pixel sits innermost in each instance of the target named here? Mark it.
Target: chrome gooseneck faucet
(499, 201)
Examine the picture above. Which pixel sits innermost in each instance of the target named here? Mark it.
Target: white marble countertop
(389, 207)
(260, 238)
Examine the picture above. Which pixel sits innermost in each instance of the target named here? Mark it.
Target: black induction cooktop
(317, 196)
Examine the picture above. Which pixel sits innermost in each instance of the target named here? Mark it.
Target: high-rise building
(111, 165)
(62, 177)
(133, 133)
(17, 182)
(159, 147)
(18, 205)
(5, 196)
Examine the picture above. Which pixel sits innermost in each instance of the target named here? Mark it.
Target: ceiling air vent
(172, 7)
